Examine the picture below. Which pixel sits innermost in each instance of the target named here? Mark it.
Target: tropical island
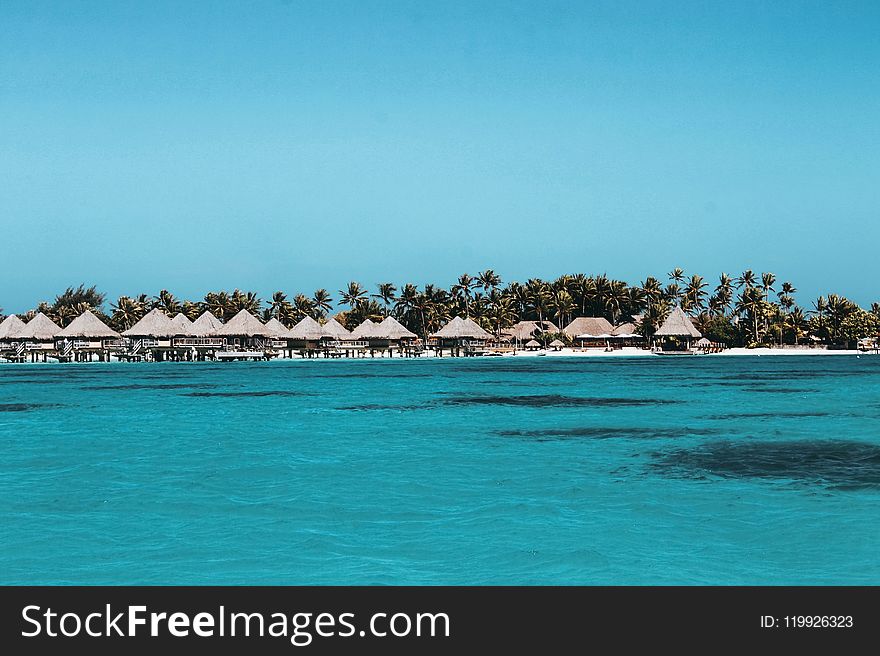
(478, 315)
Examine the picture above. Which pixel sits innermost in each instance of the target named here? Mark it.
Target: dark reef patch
(26, 407)
(780, 390)
(366, 407)
(553, 401)
(157, 386)
(767, 415)
(606, 432)
(244, 394)
(837, 464)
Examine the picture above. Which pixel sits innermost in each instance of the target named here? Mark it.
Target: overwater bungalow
(201, 339)
(279, 334)
(336, 331)
(151, 337)
(392, 335)
(11, 347)
(364, 330)
(590, 332)
(677, 333)
(85, 337)
(246, 337)
(38, 338)
(306, 336)
(461, 336)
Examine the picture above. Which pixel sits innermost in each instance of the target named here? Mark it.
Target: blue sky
(295, 145)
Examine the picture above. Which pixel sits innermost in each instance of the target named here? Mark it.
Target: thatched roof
(532, 343)
(40, 328)
(154, 323)
(678, 324)
(391, 328)
(625, 330)
(459, 328)
(593, 326)
(278, 329)
(335, 330)
(206, 325)
(524, 329)
(307, 329)
(11, 327)
(703, 342)
(182, 325)
(557, 343)
(366, 329)
(244, 324)
(88, 325)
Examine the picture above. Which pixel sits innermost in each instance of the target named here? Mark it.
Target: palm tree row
(742, 310)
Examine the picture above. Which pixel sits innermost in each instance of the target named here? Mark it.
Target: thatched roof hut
(244, 324)
(87, 325)
(11, 327)
(625, 330)
(307, 330)
(279, 330)
(365, 330)
(392, 329)
(597, 327)
(40, 329)
(335, 330)
(532, 344)
(557, 344)
(154, 323)
(206, 325)
(458, 328)
(678, 324)
(182, 325)
(524, 330)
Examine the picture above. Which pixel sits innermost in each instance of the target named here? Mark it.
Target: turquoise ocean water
(740, 470)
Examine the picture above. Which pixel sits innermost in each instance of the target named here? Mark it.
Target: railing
(278, 343)
(19, 348)
(81, 344)
(349, 345)
(205, 342)
(114, 343)
(135, 347)
(36, 346)
(65, 349)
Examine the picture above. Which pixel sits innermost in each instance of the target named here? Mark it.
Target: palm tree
(676, 276)
(502, 314)
(191, 310)
(218, 304)
(281, 309)
(723, 294)
(797, 321)
(488, 280)
(167, 302)
(323, 302)
(386, 294)
(462, 289)
(562, 305)
(694, 294)
(747, 279)
(303, 306)
(751, 304)
(126, 313)
(538, 297)
(353, 294)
